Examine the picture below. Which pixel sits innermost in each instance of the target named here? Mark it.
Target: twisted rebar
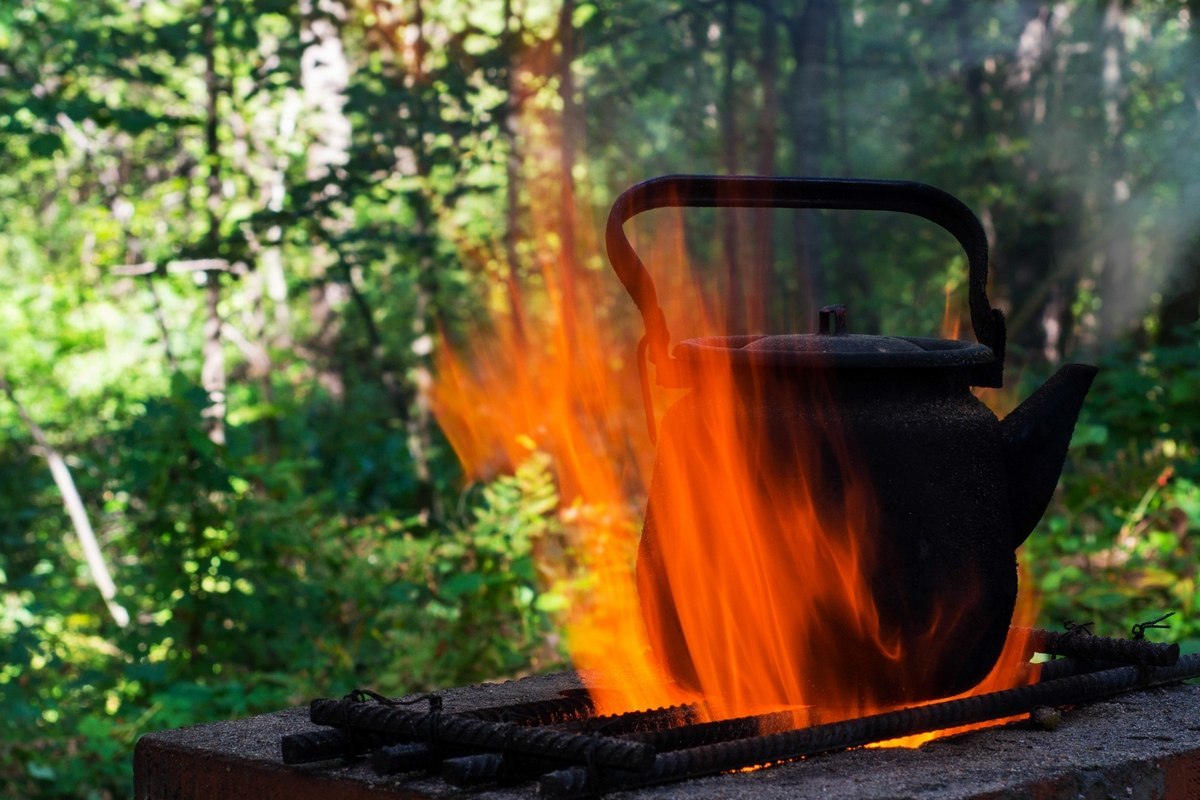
(319, 745)
(1077, 643)
(474, 770)
(1066, 667)
(496, 736)
(553, 711)
(407, 757)
(704, 733)
(653, 719)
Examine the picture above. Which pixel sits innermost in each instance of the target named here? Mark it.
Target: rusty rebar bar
(1066, 667)
(436, 727)
(475, 769)
(1078, 643)
(405, 757)
(389, 756)
(318, 745)
(482, 768)
(644, 721)
(577, 705)
(705, 733)
(324, 744)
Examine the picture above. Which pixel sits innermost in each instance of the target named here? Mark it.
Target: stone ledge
(1144, 746)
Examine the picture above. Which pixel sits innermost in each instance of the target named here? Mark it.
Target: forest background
(241, 243)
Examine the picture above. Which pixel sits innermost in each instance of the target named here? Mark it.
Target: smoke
(1069, 127)
(1124, 153)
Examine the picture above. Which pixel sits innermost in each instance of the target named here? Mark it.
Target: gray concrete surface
(1144, 746)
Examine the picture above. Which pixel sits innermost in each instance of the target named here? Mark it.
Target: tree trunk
(1117, 298)
(161, 318)
(737, 297)
(760, 272)
(512, 172)
(418, 411)
(324, 76)
(853, 277)
(1040, 286)
(212, 371)
(73, 504)
(808, 119)
(569, 129)
(1181, 306)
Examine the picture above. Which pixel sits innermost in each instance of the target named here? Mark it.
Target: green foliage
(465, 605)
(325, 544)
(1119, 543)
(249, 596)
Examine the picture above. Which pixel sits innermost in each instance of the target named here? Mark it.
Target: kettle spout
(1036, 436)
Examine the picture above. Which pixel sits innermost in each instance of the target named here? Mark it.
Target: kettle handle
(707, 191)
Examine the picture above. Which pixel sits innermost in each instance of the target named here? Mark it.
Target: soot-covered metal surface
(1144, 745)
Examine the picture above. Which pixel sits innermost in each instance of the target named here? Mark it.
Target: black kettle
(877, 437)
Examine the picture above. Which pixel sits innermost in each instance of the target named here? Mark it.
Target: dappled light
(316, 375)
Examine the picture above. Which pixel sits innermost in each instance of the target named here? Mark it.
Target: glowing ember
(754, 577)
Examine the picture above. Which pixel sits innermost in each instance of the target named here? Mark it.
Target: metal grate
(571, 752)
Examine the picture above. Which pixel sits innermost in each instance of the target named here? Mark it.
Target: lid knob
(836, 314)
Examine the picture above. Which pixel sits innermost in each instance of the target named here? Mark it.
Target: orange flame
(725, 607)
(1000, 401)
(1011, 669)
(951, 315)
(559, 382)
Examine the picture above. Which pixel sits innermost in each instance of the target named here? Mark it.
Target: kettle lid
(834, 347)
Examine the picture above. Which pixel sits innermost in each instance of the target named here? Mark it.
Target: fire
(557, 382)
(1012, 669)
(1001, 401)
(752, 578)
(739, 605)
(951, 314)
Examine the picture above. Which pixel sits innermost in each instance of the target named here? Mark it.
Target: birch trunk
(73, 505)
(1116, 278)
(212, 370)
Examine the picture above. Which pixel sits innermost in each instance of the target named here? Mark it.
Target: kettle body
(833, 518)
(915, 473)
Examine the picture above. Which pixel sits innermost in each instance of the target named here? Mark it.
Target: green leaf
(44, 145)
(551, 603)
(1089, 434)
(40, 771)
(462, 584)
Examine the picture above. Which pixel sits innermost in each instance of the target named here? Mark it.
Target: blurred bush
(1119, 544)
(249, 594)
